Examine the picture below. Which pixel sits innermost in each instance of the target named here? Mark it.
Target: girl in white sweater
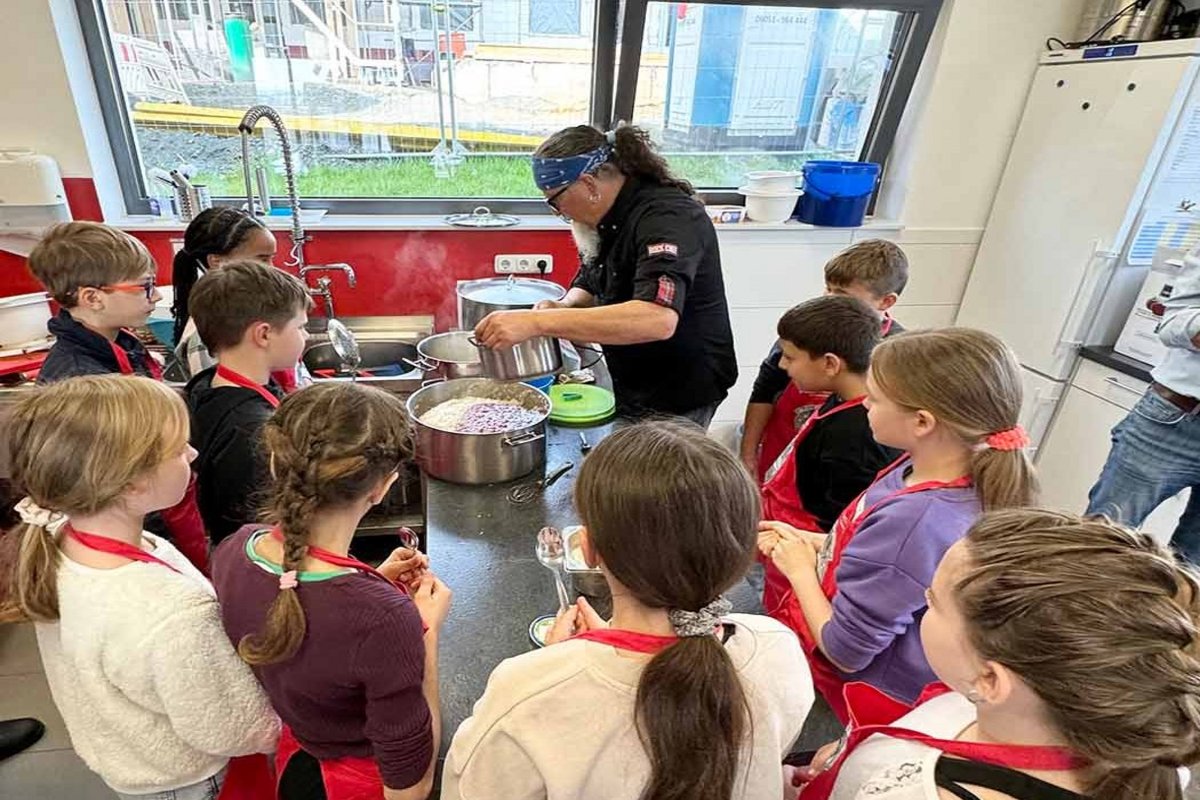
(155, 699)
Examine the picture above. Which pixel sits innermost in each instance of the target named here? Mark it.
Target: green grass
(478, 176)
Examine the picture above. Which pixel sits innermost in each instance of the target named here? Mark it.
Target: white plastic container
(23, 319)
(771, 181)
(769, 206)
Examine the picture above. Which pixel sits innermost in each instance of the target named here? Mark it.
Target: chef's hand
(542, 305)
(506, 328)
(574, 619)
(432, 599)
(405, 565)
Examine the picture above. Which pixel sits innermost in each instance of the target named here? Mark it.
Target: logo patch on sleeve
(666, 291)
(663, 249)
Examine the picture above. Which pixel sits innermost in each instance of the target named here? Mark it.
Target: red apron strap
(103, 544)
(330, 557)
(628, 640)
(123, 363)
(238, 379)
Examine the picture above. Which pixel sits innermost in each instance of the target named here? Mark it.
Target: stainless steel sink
(383, 342)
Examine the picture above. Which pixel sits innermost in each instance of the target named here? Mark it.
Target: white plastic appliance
(1107, 151)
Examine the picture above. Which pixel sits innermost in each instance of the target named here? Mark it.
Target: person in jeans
(1156, 449)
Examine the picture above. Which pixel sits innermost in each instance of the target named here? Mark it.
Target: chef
(649, 286)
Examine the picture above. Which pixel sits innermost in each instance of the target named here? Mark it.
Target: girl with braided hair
(346, 653)
(1069, 651)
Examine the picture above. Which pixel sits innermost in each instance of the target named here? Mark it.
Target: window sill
(413, 222)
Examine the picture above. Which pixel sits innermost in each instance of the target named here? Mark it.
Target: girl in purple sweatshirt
(950, 399)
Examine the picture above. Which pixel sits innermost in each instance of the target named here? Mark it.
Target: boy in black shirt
(251, 318)
(827, 344)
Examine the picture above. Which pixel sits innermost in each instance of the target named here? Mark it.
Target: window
(430, 106)
(734, 88)
(554, 17)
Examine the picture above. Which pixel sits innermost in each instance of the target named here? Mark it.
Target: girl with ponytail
(153, 695)
(950, 399)
(1077, 639)
(347, 653)
(673, 699)
(216, 236)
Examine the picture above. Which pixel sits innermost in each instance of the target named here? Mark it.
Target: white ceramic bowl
(771, 180)
(769, 206)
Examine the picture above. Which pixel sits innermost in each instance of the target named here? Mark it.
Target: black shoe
(18, 734)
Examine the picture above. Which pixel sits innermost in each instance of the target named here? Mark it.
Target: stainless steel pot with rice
(478, 430)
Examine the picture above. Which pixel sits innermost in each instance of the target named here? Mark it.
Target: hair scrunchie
(33, 514)
(689, 624)
(1015, 438)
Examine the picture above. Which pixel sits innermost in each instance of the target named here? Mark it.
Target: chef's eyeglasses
(146, 287)
(552, 200)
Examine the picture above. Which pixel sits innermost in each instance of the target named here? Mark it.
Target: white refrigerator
(1107, 153)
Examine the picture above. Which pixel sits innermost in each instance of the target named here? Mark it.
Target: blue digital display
(1115, 51)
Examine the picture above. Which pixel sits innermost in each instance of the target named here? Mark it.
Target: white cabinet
(1076, 447)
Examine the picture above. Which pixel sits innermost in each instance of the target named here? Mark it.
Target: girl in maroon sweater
(347, 654)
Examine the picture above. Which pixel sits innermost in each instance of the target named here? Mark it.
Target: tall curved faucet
(246, 127)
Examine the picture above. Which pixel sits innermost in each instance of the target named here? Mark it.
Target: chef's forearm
(632, 322)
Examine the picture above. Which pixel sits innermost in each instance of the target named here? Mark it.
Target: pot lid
(482, 217)
(511, 291)
(581, 404)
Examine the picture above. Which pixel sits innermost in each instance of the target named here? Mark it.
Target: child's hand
(432, 598)
(794, 557)
(575, 619)
(405, 565)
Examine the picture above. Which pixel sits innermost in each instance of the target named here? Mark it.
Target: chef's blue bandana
(551, 173)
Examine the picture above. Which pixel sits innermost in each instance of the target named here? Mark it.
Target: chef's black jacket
(657, 244)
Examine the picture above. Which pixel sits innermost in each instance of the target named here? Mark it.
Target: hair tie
(288, 580)
(611, 136)
(1015, 438)
(33, 514)
(689, 624)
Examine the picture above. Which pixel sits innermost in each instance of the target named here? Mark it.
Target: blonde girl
(155, 699)
(950, 399)
(1077, 639)
(347, 654)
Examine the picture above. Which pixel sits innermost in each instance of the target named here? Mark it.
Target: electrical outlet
(524, 264)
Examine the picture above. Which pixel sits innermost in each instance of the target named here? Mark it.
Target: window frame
(613, 92)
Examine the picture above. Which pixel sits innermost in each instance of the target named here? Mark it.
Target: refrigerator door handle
(1075, 324)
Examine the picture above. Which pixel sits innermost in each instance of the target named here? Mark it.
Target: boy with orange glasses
(103, 279)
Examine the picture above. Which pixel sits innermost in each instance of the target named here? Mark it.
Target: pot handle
(524, 438)
(420, 363)
(432, 381)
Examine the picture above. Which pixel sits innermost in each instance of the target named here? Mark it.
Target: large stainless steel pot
(478, 458)
(533, 358)
(479, 298)
(450, 355)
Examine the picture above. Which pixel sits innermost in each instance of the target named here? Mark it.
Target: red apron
(286, 379)
(247, 777)
(792, 409)
(348, 777)
(238, 379)
(628, 640)
(183, 521)
(782, 502)
(826, 678)
(873, 712)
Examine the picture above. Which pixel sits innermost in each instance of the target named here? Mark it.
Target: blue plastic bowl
(541, 384)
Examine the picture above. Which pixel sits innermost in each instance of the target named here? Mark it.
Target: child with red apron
(856, 599)
(1018, 701)
(627, 684)
(826, 346)
(117, 595)
(346, 652)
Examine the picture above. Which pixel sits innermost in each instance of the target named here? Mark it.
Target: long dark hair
(330, 445)
(638, 496)
(634, 154)
(214, 232)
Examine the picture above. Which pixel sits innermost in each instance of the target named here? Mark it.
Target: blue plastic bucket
(837, 193)
(542, 384)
